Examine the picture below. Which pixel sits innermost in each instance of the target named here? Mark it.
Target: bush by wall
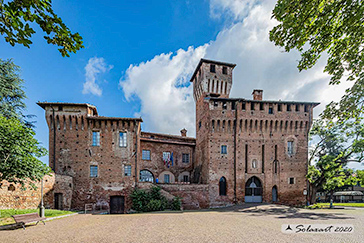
(152, 200)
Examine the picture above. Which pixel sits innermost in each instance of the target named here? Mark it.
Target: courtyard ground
(246, 223)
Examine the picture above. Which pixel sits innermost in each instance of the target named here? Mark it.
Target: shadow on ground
(283, 212)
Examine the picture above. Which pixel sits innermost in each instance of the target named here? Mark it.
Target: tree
(16, 15)
(332, 27)
(360, 176)
(337, 145)
(19, 153)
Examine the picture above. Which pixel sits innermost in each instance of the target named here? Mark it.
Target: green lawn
(343, 204)
(5, 214)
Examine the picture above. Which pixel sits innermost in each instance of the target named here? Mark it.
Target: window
(146, 154)
(199, 124)
(224, 105)
(223, 149)
(290, 147)
(127, 170)
(95, 138)
(243, 106)
(288, 107)
(306, 108)
(279, 107)
(297, 107)
(166, 179)
(291, 180)
(224, 70)
(270, 109)
(93, 171)
(261, 106)
(216, 104)
(212, 68)
(185, 178)
(252, 106)
(60, 108)
(122, 139)
(254, 164)
(185, 158)
(233, 105)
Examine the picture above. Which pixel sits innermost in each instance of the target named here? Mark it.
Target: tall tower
(210, 79)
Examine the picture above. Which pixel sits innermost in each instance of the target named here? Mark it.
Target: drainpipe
(236, 125)
(54, 140)
(308, 196)
(136, 154)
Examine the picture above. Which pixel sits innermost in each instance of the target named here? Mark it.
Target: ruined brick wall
(13, 197)
(193, 196)
(159, 143)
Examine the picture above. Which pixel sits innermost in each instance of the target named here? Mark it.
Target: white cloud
(161, 84)
(94, 67)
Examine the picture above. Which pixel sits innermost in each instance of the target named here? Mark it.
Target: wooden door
(117, 204)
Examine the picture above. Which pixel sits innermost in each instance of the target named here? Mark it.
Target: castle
(244, 151)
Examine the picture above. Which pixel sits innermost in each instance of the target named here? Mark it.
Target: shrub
(176, 203)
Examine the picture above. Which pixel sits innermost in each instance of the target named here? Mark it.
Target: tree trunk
(313, 195)
(331, 195)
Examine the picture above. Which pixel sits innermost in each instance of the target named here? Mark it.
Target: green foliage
(152, 200)
(332, 27)
(19, 153)
(360, 176)
(16, 15)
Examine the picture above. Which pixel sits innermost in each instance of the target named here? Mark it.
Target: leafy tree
(337, 145)
(16, 15)
(360, 176)
(19, 153)
(332, 27)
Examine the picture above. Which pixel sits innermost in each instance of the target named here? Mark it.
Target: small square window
(127, 170)
(93, 171)
(223, 149)
(96, 138)
(291, 180)
(146, 154)
(224, 70)
(212, 68)
(122, 139)
(186, 158)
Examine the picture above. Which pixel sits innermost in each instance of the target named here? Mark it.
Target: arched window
(146, 176)
(222, 186)
(254, 163)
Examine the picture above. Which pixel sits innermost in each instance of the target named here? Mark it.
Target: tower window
(291, 180)
(96, 138)
(288, 107)
(122, 139)
(216, 104)
(243, 106)
(290, 147)
(212, 68)
(233, 105)
(127, 170)
(224, 105)
(93, 171)
(223, 149)
(252, 106)
(297, 107)
(306, 108)
(270, 110)
(224, 70)
(279, 107)
(261, 106)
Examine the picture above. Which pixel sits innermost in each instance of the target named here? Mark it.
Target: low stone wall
(13, 197)
(194, 196)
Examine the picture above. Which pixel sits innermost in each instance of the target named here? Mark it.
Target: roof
(168, 135)
(348, 193)
(264, 101)
(114, 118)
(44, 104)
(202, 60)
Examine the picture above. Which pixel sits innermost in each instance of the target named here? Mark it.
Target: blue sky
(139, 55)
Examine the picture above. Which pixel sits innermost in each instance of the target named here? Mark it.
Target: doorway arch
(274, 194)
(253, 190)
(222, 186)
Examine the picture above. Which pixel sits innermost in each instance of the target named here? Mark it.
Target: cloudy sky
(139, 56)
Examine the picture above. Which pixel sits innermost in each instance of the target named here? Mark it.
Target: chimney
(257, 94)
(183, 132)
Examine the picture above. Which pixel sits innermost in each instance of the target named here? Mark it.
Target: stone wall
(13, 197)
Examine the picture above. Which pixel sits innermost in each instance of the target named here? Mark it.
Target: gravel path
(247, 223)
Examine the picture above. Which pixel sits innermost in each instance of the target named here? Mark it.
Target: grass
(343, 204)
(5, 214)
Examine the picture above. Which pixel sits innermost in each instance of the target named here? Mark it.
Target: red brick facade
(109, 156)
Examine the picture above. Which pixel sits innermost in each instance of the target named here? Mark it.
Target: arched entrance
(274, 194)
(146, 176)
(253, 190)
(222, 186)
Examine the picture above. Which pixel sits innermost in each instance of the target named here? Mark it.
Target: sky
(139, 57)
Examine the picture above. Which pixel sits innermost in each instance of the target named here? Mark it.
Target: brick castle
(244, 151)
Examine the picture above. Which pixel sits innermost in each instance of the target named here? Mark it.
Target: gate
(117, 204)
(253, 190)
(274, 194)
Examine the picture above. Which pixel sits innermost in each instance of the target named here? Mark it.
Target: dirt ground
(247, 223)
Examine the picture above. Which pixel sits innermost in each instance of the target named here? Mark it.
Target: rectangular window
(166, 179)
(243, 106)
(279, 107)
(270, 111)
(223, 149)
(252, 106)
(212, 68)
(127, 170)
(291, 180)
(261, 106)
(290, 147)
(224, 70)
(297, 107)
(233, 105)
(93, 171)
(146, 154)
(122, 139)
(95, 138)
(224, 105)
(306, 108)
(185, 158)
(288, 107)
(216, 104)
(185, 178)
